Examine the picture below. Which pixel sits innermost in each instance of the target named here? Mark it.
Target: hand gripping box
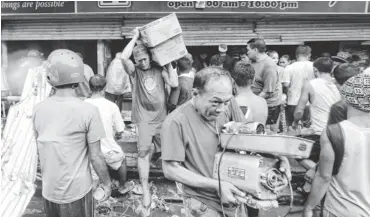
(169, 50)
(160, 30)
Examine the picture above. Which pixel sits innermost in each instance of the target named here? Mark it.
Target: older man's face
(215, 98)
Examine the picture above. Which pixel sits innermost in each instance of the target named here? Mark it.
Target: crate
(160, 30)
(169, 50)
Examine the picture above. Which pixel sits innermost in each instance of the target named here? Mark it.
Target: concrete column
(4, 55)
(100, 57)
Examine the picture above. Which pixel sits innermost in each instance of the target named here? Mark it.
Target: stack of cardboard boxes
(164, 40)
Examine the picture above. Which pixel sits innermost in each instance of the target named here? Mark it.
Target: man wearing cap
(68, 132)
(228, 61)
(149, 105)
(266, 83)
(347, 192)
(183, 92)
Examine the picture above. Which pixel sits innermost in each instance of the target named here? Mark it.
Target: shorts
(113, 159)
(273, 115)
(289, 115)
(149, 138)
(83, 207)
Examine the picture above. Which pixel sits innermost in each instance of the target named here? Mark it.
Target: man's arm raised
(127, 52)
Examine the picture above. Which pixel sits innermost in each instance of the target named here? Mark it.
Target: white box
(160, 30)
(169, 50)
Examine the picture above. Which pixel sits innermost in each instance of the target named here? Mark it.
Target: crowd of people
(181, 108)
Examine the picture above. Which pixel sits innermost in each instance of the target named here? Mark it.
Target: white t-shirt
(88, 72)
(112, 121)
(296, 75)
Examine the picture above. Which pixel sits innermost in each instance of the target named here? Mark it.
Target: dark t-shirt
(338, 112)
(186, 137)
(266, 79)
(183, 92)
(149, 104)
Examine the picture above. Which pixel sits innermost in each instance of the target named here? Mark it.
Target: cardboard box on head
(169, 50)
(160, 30)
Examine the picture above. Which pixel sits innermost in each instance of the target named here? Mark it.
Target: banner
(37, 7)
(283, 7)
(122, 7)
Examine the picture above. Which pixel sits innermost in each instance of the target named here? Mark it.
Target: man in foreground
(347, 192)
(149, 105)
(67, 130)
(190, 140)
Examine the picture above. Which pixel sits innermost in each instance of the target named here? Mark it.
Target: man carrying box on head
(148, 105)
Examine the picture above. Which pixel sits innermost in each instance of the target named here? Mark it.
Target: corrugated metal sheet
(324, 30)
(205, 31)
(87, 29)
(19, 149)
(211, 31)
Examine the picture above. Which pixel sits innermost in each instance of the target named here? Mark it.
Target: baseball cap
(222, 48)
(339, 59)
(140, 51)
(356, 92)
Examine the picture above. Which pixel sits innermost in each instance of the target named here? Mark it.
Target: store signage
(37, 7)
(313, 7)
(96, 7)
(114, 4)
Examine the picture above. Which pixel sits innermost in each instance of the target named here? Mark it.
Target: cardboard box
(169, 50)
(160, 30)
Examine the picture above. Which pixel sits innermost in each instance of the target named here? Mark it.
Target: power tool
(250, 161)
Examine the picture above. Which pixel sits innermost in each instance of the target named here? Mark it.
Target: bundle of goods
(250, 161)
(164, 40)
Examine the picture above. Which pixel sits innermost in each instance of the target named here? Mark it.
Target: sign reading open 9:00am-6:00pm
(295, 7)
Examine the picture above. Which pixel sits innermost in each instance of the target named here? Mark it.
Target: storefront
(100, 29)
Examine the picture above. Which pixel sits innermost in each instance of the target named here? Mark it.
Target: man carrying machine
(190, 139)
(148, 105)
